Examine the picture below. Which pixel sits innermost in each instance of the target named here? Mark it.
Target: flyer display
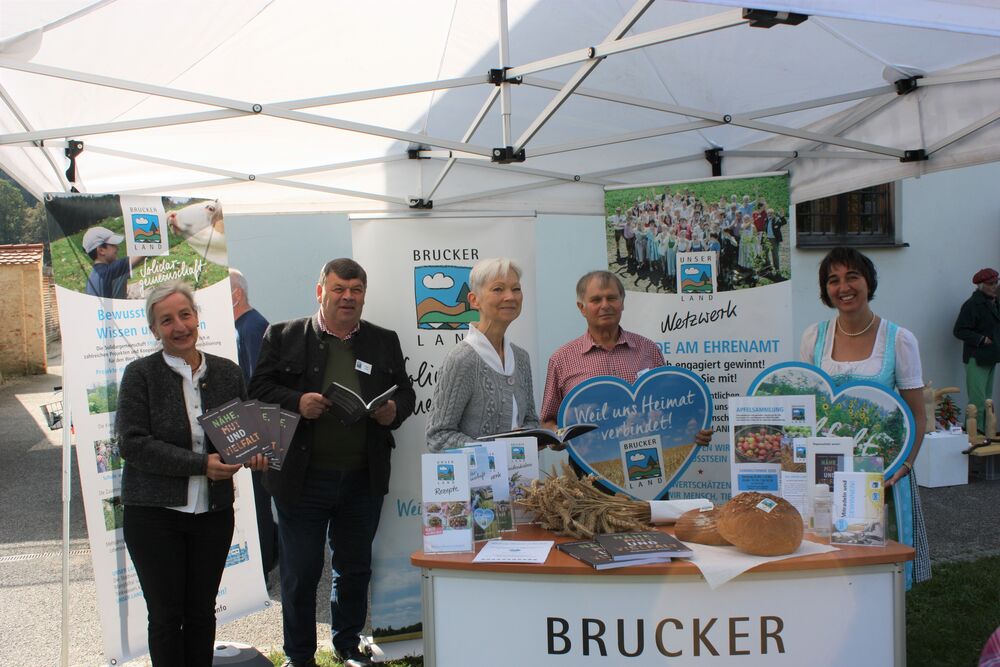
(645, 435)
(447, 512)
(707, 275)
(879, 421)
(765, 436)
(107, 252)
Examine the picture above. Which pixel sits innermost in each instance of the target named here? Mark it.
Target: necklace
(852, 335)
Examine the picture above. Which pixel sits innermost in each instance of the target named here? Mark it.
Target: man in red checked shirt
(604, 349)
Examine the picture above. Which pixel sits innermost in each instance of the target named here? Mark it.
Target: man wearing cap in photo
(978, 327)
(110, 275)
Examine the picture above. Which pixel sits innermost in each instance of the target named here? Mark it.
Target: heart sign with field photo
(645, 435)
(879, 420)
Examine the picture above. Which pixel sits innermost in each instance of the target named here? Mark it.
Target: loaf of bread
(700, 526)
(761, 524)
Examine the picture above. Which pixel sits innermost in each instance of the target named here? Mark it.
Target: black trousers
(179, 559)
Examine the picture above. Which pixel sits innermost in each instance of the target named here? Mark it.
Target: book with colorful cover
(642, 544)
(858, 509)
(447, 510)
(592, 553)
(234, 431)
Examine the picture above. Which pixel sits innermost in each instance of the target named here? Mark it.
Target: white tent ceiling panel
(173, 71)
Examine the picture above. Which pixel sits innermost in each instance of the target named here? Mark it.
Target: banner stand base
(227, 653)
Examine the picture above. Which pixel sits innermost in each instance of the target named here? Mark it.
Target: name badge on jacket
(363, 367)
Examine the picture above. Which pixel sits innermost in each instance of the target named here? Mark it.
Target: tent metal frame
(870, 101)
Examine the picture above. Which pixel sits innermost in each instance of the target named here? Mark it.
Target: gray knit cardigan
(471, 399)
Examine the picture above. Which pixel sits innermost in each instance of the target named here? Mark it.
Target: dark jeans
(265, 523)
(335, 506)
(179, 559)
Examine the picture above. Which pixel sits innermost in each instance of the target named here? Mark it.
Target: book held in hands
(349, 407)
(545, 436)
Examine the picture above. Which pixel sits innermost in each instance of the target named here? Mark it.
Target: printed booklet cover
(761, 436)
(522, 465)
(858, 509)
(235, 431)
(593, 554)
(447, 512)
(642, 544)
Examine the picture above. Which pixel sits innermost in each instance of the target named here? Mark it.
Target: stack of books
(613, 550)
(239, 430)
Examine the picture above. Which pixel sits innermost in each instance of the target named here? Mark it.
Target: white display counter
(941, 461)
(832, 609)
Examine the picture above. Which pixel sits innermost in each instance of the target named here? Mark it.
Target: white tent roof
(284, 105)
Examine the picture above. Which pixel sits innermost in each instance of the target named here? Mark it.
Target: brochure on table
(858, 509)
(823, 457)
(763, 430)
(522, 466)
(447, 515)
(489, 486)
(514, 551)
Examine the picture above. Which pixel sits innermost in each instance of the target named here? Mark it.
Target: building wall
(951, 221)
(22, 320)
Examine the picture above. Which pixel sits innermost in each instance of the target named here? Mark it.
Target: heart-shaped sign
(483, 517)
(879, 420)
(645, 435)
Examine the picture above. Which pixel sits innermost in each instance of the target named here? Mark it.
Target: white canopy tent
(301, 105)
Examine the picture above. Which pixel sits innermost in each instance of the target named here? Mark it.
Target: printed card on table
(522, 464)
(447, 515)
(858, 509)
(761, 436)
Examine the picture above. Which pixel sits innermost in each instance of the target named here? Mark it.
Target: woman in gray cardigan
(177, 492)
(485, 382)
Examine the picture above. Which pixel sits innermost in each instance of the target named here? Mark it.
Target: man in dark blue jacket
(978, 327)
(335, 475)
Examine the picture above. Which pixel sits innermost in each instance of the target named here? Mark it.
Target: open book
(545, 436)
(349, 407)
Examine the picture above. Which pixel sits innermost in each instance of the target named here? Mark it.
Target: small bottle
(822, 511)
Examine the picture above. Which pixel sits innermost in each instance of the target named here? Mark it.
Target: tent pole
(964, 132)
(22, 119)
(67, 482)
(504, 41)
(476, 122)
(623, 138)
(821, 137)
(591, 63)
(700, 26)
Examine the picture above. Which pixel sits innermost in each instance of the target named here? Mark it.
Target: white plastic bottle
(822, 510)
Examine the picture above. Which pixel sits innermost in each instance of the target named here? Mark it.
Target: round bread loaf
(761, 524)
(700, 526)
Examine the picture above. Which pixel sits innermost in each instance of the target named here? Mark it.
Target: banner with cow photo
(107, 252)
(707, 274)
(418, 285)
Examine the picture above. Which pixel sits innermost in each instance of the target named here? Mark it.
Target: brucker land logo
(441, 295)
(146, 227)
(696, 272)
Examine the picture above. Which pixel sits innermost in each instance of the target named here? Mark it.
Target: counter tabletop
(561, 563)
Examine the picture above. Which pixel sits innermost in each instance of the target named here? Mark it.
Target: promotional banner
(107, 252)
(418, 285)
(707, 275)
(645, 435)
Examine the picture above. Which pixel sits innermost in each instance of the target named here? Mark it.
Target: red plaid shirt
(582, 359)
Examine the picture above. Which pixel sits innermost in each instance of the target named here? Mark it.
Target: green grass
(950, 617)
(772, 188)
(326, 659)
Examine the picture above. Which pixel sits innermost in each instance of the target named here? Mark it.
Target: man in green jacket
(978, 327)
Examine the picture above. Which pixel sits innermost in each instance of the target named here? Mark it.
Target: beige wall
(22, 320)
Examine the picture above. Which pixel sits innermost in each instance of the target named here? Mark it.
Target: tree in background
(19, 221)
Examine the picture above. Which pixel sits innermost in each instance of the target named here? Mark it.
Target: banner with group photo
(418, 285)
(107, 252)
(707, 273)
